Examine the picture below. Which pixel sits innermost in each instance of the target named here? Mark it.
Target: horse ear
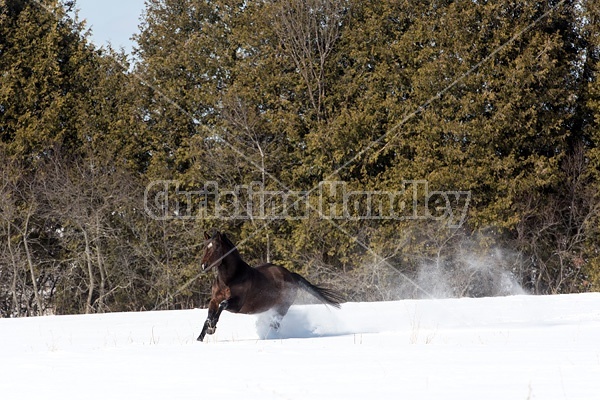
(206, 235)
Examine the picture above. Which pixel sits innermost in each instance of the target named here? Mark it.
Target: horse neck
(231, 266)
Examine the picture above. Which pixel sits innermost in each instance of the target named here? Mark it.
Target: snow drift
(520, 347)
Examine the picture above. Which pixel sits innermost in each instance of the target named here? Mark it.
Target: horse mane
(233, 250)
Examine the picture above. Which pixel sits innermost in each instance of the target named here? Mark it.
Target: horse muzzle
(206, 266)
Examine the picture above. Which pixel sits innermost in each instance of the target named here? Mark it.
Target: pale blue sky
(113, 21)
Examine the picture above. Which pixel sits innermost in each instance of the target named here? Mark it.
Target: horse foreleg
(204, 329)
(210, 325)
(222, 306)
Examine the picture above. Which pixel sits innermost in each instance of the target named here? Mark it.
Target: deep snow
(520, 347)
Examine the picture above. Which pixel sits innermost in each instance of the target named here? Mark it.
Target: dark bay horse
(240, 288)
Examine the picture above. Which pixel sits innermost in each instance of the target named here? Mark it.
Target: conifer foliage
(430, 101)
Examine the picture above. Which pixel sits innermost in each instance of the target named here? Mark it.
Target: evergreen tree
(496, 98)
(43, 54)
(588, 260)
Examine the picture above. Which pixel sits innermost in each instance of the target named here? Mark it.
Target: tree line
(497, 99)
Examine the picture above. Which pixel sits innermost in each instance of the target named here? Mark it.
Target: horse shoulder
(220, 290)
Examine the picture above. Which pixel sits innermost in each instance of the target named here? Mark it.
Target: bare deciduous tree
(308, 31)
(554, 229)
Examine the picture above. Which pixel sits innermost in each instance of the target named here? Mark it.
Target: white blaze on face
(210, 245)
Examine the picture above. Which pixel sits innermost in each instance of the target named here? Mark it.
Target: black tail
(327, 296)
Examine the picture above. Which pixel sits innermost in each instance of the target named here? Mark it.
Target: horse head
(215, 250)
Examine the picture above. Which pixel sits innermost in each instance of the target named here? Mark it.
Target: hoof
(275, 325)
(208, 329)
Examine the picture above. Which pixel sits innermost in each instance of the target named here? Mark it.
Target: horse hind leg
(275, 323)
(268, 324)
(279, 312)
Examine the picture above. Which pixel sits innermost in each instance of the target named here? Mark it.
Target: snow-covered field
(520, 347)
